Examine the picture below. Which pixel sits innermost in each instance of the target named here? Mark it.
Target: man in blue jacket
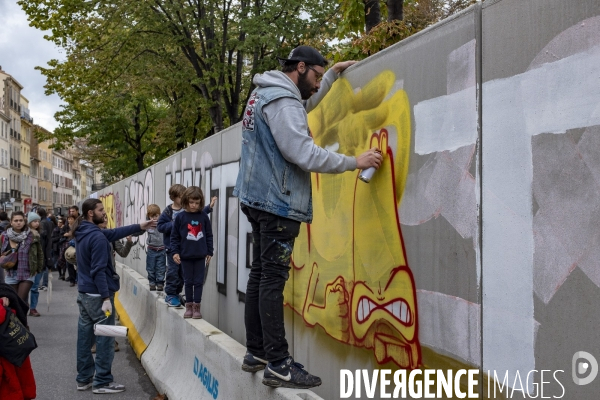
(97, 284)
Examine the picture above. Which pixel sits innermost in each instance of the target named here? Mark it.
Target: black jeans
(72, 273)
(272, 245)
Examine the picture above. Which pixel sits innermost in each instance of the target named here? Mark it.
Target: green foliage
(418, 15)
(187, 64)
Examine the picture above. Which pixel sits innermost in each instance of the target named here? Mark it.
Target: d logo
(584, 363)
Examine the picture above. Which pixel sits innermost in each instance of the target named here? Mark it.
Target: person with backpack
(30, 257)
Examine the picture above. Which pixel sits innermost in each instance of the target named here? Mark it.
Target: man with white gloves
(97, 284)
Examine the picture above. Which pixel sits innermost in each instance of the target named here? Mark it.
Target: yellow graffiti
(350, 273)
(109, 206)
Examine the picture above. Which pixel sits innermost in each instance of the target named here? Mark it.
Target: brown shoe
(33, 313)
(189, 310)
(197, 314)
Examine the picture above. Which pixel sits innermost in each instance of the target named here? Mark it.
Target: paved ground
(54, 361)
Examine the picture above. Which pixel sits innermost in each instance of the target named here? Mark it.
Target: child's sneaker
(289, 374)
(172, 301)
(152, 287)
(196, 309)
(253, 364)
(159, 287)
(189, 310)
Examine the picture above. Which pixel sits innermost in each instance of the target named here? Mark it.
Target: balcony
(4, 197)
(16, 194)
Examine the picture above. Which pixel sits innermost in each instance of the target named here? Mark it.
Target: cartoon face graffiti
(350, 275)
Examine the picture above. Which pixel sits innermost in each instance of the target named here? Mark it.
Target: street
(54, 361)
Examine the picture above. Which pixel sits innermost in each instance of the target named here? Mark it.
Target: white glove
(107, 307)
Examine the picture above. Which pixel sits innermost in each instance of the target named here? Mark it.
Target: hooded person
(274, 188)
(97, 284)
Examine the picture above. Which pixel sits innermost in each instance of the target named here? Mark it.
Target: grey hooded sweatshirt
(287, 119)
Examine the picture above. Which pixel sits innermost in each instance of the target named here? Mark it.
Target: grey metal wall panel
(541, 91)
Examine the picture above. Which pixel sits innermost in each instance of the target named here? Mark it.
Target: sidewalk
(54, 361)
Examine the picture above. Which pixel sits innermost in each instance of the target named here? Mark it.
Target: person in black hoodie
(97, 284)
(46, 228)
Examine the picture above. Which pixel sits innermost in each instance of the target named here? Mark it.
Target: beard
(97, 220)
(304, 86)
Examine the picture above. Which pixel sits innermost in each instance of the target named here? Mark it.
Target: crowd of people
(82, 250)
(276, 142)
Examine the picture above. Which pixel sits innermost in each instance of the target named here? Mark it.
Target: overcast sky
(22, 48)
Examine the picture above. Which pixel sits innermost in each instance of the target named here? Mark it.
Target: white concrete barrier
(192, 359)
(185, 358)
(136, 307)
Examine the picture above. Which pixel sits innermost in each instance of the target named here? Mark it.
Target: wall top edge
(475, 8)
(488, 3)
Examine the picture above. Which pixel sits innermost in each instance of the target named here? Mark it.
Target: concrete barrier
(187, 358)
(136, 307)
(192, 359)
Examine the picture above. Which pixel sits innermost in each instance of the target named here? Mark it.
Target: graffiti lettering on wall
(112, 206)
(215, 180)
(108, 201)
(138, 195)
(350, 270)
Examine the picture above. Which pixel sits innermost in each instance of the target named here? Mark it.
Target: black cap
(304, 53)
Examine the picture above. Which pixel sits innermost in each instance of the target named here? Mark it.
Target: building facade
(27, 187)
(45, 175)
(4, 148)
(12, 98)
(62, 170)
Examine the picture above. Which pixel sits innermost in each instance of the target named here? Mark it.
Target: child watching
(174, 275)
(192, 246)
(155, 259)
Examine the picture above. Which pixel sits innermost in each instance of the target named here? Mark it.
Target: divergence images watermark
(432, 383)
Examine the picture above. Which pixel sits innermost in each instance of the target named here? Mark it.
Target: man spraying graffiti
(274, 187)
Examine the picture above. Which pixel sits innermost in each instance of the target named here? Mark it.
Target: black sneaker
(84, 386)
(112, 387)
(253, 364)
(289, 374)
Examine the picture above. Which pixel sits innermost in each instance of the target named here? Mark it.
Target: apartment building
(27, 186)
(41, 171)
(4, 131)
(62, 170)
(11, 93)
(77, 179)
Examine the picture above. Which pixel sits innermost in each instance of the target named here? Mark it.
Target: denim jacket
(266, 181)
(274, 173)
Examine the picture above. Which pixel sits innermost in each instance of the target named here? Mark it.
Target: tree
(222, 43)
(367, 32)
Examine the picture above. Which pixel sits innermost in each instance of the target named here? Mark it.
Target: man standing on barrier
(97, 284)
(274, 188)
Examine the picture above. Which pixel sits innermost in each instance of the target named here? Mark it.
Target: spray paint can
(367, 174)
